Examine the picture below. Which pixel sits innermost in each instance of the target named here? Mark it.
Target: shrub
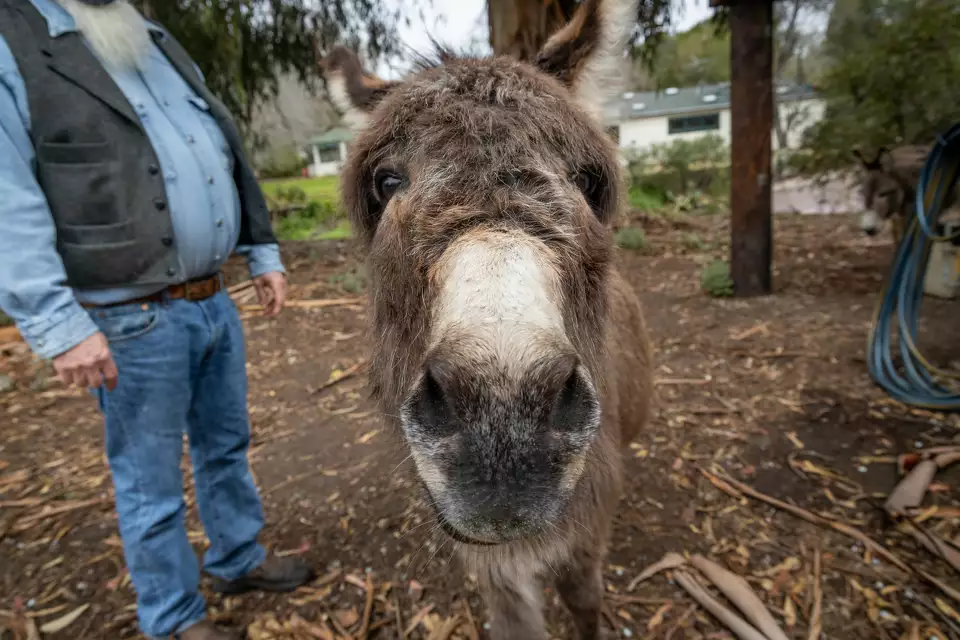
(305, 223)
(292, 194)
(715, 279)
(353, 281)
(693, 241)
(631, 238)
(283, 162)
(683, 166)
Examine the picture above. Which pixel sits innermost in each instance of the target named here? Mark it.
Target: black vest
(96, 166)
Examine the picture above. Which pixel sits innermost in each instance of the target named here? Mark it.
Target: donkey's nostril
(430, 404)
(576, 407)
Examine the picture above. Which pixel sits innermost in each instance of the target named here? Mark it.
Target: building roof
(332, 136)
(707, 97)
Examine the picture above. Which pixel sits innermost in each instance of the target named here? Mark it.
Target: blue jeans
(182, 371)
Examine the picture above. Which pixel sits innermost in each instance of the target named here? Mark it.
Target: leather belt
(191, 291)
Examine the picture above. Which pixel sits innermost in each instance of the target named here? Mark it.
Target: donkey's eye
(591, 185)
(585, 182)
(386, 183)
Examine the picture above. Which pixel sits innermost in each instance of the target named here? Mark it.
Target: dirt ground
(772, 391)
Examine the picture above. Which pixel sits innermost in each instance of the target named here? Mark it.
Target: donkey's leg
(514, 600)
(580, 585)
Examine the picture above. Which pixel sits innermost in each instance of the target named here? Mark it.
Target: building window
(690, 124)
(329, 153)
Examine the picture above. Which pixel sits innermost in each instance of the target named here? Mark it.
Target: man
(123, 189)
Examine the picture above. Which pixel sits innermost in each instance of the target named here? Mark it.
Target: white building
(642, 119)
(327, 152)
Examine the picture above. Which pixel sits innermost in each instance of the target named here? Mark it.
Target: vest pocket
(82, 184)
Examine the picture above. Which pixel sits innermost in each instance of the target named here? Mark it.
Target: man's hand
(89, 364)
(271, 291)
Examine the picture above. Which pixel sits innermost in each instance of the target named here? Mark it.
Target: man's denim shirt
(196, 163)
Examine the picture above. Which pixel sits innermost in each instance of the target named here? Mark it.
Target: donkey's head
(883, 194)
(484, 190)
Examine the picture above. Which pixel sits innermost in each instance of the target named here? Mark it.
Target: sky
(457, 22)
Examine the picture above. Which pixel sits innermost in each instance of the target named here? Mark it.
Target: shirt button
(160, 204)
(153, 169)
(209, 179)
(171, 272)
(190, 139)
(167, 241)
(171, 176)
(216, 257)
(166, 103)
(220, 222)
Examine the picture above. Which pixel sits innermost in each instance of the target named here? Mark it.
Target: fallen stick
(318, 630)
(816, 611)
(936, 545)
(679, 623)
(473, 632)
(736, 589)
(444, 631)
(847, 530)
(367, 611)
(417, 619)
(27, 521)
(308, 304)
(935, 451)
(240, 286)
(670, 560)
(680, 381)
(350, 372)
(732, 621)
(946, 459)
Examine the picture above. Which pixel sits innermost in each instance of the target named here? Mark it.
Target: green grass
(322, 189)
(322, 219)
(342, 231)
(5, 320)
(645, 199)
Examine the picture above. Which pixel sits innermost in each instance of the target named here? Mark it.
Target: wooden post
(751, 109)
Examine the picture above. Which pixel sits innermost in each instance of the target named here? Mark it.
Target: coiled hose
(916, 382)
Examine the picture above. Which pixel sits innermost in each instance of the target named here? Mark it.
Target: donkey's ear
(869, 165)
(884, 159)
(353, 91)
(588, 53)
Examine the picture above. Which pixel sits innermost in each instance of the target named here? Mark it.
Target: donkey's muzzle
(501, 450)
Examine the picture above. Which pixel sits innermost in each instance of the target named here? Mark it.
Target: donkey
(889, 188)
(507, 349)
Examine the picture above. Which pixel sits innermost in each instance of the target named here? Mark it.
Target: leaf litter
(748, 408)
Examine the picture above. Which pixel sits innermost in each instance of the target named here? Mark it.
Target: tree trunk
(751, 120)
(520, 28)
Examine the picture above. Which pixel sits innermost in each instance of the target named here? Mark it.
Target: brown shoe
(275, 574)
(205, 630)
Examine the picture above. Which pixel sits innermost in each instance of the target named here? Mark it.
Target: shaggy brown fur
(889, 184)
(519, 451)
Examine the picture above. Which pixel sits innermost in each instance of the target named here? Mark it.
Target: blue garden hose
(916, 382)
